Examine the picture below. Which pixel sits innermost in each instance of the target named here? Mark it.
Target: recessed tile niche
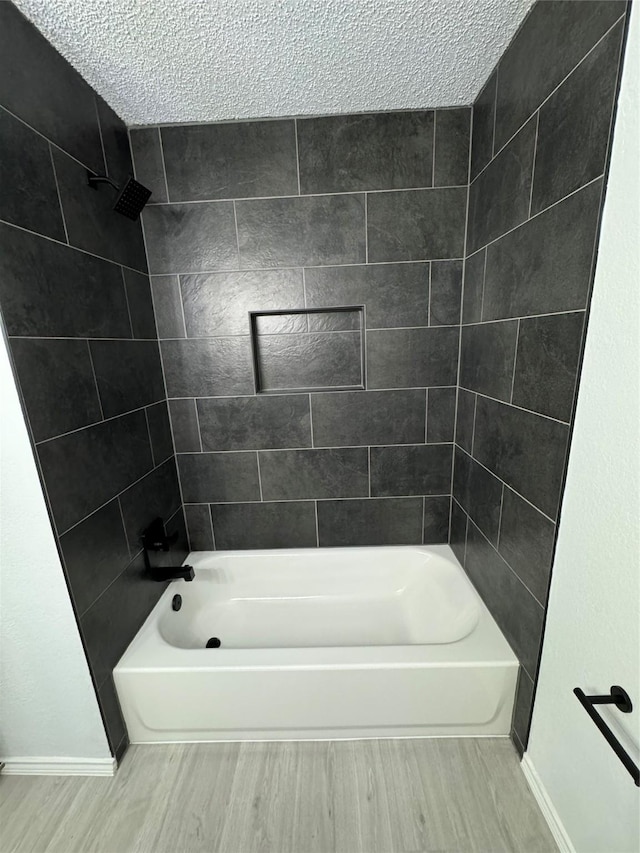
(320, 349)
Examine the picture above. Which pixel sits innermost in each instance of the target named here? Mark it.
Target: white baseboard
(58, 766)
(546, 806)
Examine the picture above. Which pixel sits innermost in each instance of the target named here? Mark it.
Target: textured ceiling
(160, 61)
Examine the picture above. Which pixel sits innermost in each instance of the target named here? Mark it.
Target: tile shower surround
(77, 311)
(357, 210)
(365, 210)
(541, 131)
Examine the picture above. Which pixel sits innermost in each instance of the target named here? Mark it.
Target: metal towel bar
(619, 698)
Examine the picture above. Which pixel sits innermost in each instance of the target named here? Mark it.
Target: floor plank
(378, 796)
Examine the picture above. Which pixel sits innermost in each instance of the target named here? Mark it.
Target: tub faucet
(172, 573)
(155, 538)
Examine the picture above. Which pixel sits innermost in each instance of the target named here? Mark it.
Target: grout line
(121, 492)
(533, 165)
(295, 133)
(366, 229)
(504, 483)
(513, 571)
(259, 475)
(153, 455)
(542, 103)
(473, 423)
(50, 141)
(304, 297)
(195, 406)
(104, 153)
(307, 266)
(423, 511)
(433, 156)
(320, 500)
(95, 379)
(500, 518)
(164, 165)
(213, 535)
(126, 299)
(306, 195)
(286, 393)
(315, 503)
(322, 447)
(514, 406)
(369, 468)
(484, 278)
(182, 314)
(364, 362)
(77, 248)
(311, 421)
(235, 220)
(515, 361)
(429, 293)
(426, 414)
(124, 530)
(55, 178)
(495, 114)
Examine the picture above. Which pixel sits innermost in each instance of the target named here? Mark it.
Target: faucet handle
(155, 537)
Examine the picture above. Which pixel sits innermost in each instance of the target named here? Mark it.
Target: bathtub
(318, 644)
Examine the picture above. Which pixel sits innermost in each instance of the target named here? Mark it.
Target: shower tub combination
(318, 644)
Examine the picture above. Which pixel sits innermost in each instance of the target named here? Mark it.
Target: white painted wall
(48, 707)
(593, 629)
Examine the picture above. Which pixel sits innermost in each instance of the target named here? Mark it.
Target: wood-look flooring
(384, 796)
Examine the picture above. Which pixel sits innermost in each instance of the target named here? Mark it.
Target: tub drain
(214, 643)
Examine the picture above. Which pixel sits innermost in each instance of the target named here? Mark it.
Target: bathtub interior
(300, 599)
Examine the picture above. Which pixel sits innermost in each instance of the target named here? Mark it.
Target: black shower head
(132, 196)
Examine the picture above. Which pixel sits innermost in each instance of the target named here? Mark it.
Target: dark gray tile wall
(78, 313)
(541, 130)
(365, 210)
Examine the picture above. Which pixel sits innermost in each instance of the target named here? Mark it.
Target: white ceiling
(161, 61)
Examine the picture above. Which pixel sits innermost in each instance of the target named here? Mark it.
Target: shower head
(132, 196)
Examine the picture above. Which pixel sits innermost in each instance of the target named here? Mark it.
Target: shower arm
(100, 179)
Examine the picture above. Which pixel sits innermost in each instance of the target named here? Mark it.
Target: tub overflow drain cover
(213, 643)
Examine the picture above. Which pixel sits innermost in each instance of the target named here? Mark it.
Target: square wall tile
(85, 469)
(28, 192)
(57, 384)
(386, 521)
(527, 451)
(436, 520)
(499, 197)
(219, 303)
(207, 368)
(189, 238)
(264, 525)
(290, 232)
(547, 364)
(487, 355)
(147, 159)
(50, 290)
(219, 477)
(522, 268)
(416, 225)
(365, 152)
(347, 418)
(255, 423)
(313, 474)
(230, 160)
(410, 358)
(451, 161)
(199, 527)
(128, 373)
(420, 469)
(394, 295)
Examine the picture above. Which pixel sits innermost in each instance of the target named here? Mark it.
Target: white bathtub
(318, 644)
